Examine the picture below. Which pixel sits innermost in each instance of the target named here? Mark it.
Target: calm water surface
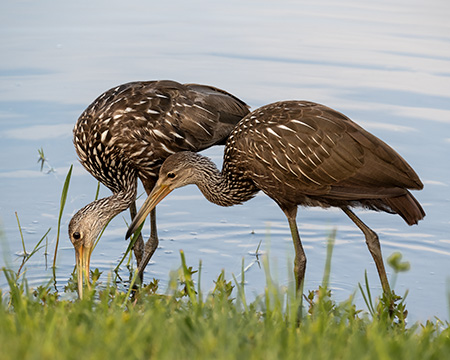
(384, 64)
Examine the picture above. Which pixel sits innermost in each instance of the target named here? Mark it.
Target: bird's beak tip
(83, 256)
(129, 233)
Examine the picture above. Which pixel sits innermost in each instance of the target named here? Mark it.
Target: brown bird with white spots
(127, 133)
(300, 153)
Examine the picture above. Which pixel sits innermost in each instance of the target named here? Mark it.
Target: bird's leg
(138, 247)
(300, 257)
(374, 247)
(150, 246)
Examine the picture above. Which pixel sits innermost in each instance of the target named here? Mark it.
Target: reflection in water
(384, 67)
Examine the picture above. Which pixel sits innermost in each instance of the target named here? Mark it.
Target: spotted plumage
(132, 128)
(128, 131)
(300, 153)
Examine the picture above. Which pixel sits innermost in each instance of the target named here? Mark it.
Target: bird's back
(132, 128)
(305, 153)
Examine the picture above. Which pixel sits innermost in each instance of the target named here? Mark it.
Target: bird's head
(178, 170)
(84, 228)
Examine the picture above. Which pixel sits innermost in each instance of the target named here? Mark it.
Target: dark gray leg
(139, 244)
(150, 246)
(300, 257)
(374, 247)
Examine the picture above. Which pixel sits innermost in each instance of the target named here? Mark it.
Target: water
(384, 64)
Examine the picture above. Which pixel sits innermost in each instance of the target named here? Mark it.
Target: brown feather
(308, 154)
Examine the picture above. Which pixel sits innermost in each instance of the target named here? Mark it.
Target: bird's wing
(209, 114)
(157, 118)
(176, 117)
(319, 151)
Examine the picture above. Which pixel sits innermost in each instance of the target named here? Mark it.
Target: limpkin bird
(300, 153)
(126, 134)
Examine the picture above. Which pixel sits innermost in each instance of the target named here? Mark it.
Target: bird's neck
(107, 208)
(225, 188)
(121, 200)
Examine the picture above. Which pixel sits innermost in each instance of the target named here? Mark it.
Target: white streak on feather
(301, 151)
(202, 108)
(306, 176)
(277, 178)
(273, 132)
(103, 136)
(164, 147)
(262, 159)
(279, 164)
(302, 123)
(203, 128)
(138, 153)
(332, 141)
(160, 134)
(284, 127)
(326, 119)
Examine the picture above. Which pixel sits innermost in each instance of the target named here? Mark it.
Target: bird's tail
(407, 207)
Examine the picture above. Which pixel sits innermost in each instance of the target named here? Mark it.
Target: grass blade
(100, 235)
(327, 270)
(98, 191)
(42, 158)
(35, 250)
(199, 287)
(187, 278)
(21, 235)
(61, 209)
(134, 238)
(130, 288)
(367, 298)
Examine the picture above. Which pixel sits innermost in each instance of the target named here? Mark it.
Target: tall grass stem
(61, 209)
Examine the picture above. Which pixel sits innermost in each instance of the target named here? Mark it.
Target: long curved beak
(158, 193)
(83, 259)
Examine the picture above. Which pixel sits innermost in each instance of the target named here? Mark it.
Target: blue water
(385, 65)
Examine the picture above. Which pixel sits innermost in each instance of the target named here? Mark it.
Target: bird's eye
(76, 235)
(170, 175)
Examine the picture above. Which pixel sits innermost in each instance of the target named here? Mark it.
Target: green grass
(184, 323)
